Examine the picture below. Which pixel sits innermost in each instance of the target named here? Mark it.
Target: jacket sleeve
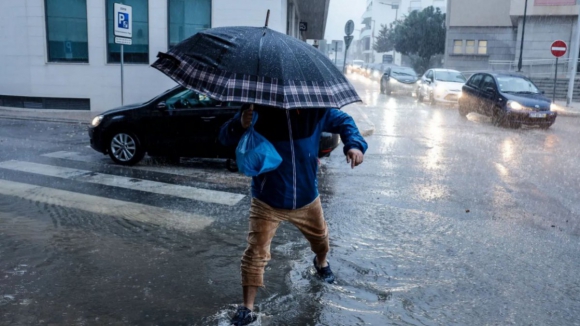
(339, 122)
(231, 132)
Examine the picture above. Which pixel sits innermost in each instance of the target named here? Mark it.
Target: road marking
(100, 205)
(205, 195)
(175, 170)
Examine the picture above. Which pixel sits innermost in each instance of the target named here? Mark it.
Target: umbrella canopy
(257, 65)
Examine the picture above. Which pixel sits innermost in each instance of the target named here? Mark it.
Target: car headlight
(97, 120)
(440, 89)
(516, 106)
(554, 107)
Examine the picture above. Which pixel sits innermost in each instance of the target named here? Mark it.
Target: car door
(488, 91)
(471, 93)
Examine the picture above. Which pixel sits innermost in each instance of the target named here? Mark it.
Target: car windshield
(516, 85)
(404, 72)
(449, 76)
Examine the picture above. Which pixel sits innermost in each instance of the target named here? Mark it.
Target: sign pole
(348, 30)
(122, 83)
(335, 51)
(555, 79)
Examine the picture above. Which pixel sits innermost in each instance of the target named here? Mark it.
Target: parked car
(355, 66)
(399, 80)
(509, 99)
(440, 86)
(177, 123)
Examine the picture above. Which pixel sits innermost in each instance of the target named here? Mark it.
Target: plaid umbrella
(257, 65)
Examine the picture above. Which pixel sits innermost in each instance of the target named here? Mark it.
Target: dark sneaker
(243, 316)
(324, 272)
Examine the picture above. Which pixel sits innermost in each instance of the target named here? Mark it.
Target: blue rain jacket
(296, 136)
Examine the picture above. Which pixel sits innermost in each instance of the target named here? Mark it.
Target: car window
(514, 84)
(475, 80)
(449, 76)
(429, 74)
(188, 99)
(403, 71)
(488, 81)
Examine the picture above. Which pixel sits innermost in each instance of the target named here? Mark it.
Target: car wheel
(382, 88)
(462, 110)
(546, 127)
(420, 96)
(432, 99)
(125, 148)
(388, 90)
(232, 165)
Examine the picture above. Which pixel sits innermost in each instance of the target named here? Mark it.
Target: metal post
(574, 64)
(122, 83)
(523, 34)
(344, 63)
(335, 52)
(555, 79)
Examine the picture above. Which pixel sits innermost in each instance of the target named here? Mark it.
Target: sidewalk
(66, 116)
(572, 111)
(84, 117)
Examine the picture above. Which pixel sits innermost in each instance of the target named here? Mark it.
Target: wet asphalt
(449, 221)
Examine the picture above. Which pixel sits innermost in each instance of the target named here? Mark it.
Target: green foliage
(384, 41)
(421, 35)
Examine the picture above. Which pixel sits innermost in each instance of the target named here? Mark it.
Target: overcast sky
(339, 13)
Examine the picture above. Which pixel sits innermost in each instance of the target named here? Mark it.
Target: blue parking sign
(122, 23)
(123, 20)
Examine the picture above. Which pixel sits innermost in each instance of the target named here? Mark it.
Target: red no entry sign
(559, 48)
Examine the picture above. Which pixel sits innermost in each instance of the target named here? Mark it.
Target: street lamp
(523, 34)
(394, 5)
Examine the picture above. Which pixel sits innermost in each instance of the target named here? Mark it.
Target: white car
(440, 86)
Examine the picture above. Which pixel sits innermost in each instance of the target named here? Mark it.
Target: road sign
(303, 26)
(123, 40)
(348, 41)
(559, 48)
(349, 28)
(123, 20)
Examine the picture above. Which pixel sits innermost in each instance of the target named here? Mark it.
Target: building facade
(379, 13)
(61, 54)
(486, 35)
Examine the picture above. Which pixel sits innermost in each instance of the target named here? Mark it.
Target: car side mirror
(162, 106)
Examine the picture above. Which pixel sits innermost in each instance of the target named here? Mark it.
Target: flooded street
(449, 221)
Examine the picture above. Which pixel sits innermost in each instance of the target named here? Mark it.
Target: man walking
(289, 193)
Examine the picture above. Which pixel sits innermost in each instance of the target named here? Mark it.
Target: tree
(421, 35)
(384, 41)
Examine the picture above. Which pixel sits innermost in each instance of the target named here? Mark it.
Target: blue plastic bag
(255, 154)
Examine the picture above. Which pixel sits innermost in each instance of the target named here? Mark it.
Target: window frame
(479, 47)
(485, 76)
(169, 20)
(48, 41)
(470, 81)
(113, 31)
(467, 46)
(462, 47)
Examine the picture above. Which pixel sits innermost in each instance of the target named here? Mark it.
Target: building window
(66, 30)
(139, 51)
(470, 47)
(187, 18)
(458, 47)
(415, 5)
(482, 48)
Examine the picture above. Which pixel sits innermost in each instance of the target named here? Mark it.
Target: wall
(501, 46)
(479, 13)
(24, 70)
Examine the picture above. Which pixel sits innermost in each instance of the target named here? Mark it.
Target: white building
(385, 12)
(61, 53)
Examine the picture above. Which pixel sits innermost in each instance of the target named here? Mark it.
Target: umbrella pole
(267, 18)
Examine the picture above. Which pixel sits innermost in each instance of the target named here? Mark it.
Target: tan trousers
(264, 221)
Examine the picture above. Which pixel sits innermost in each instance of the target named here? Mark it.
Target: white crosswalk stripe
(175, 170)
(204, 195)
(100, 205)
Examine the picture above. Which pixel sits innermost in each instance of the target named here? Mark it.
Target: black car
(399, 79)
(509, 99)
(177, 123)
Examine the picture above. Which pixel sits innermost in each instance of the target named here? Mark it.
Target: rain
(126, 200)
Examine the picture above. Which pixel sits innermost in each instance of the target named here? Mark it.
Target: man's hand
(247, 117)
(354, 157)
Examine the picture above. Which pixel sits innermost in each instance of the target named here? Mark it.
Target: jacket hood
(534, 101)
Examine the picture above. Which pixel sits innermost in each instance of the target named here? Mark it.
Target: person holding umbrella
(296, 92)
